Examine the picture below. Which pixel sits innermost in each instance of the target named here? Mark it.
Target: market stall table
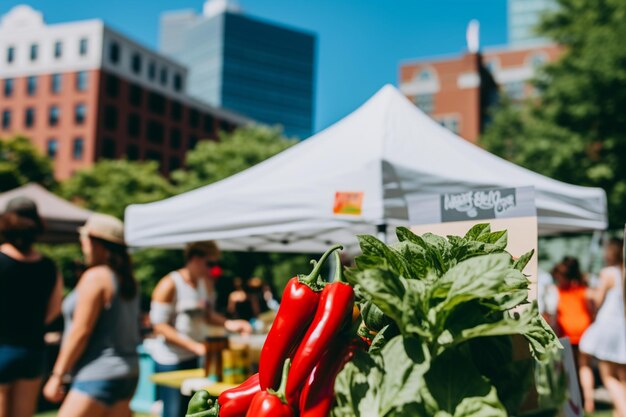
(176, 379)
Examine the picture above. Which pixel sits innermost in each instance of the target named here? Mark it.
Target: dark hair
(119, 261)
(201, 249)
(20, 229)
(570, 268)
(616, 246)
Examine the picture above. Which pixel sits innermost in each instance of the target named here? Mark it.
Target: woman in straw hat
(30, 297)
(98, 357)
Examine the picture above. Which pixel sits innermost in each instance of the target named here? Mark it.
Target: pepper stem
(317, 266)
(338, 268)
(280, 392)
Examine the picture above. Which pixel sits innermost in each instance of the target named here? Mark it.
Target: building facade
(83, 92)
(523, 18)
(457, 91)
(256, 68)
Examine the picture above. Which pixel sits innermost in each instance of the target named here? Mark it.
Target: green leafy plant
(453, 328)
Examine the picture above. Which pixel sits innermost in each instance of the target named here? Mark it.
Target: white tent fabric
(387, 149)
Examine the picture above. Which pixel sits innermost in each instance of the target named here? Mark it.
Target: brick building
(458, 90)
(83, 92)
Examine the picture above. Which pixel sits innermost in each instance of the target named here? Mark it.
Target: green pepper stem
(280, 392)
(338, 268)
(312, 277)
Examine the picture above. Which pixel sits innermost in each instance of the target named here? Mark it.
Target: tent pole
(381, 232)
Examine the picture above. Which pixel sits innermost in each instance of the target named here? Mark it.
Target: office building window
(29, 117)
(178, 82)
(156, 103)
(112, 86)
(52, 147)
(135, 95)
(82, 80)
(108, 148)
(80, 113)
(425, 102)
(10, 54)
(174, 163)
(208, 123)
(134, 125)
(110, 118)
(450, 122)
(55, 83)
(136, 63)
(175, 138)
(8, 87)
(225, 126)
(164, 76)
(34, 51)
(78, 148)
(6, 119)
(114, 52)
(31, 85)
(82, 47)
(132, 152)
(194, 118)
(152, 71)
(53, 116)
(154, 156)
(514, 89)
(58, 49)
(176, 111)
(154, 132)
(193, 141)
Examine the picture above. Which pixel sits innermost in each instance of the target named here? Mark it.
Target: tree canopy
(21, 163)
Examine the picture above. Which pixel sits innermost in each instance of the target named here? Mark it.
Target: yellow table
(175, 379)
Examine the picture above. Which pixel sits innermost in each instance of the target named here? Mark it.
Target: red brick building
(83, 92)
(458, 90)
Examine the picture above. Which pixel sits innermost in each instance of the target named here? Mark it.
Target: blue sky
(360, 42)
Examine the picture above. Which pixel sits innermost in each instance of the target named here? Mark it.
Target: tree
(21, 163)
(575, 131)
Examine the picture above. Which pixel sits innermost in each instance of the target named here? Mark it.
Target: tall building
(259, 69)
(82, 92)
(458, 90)
(523, 18)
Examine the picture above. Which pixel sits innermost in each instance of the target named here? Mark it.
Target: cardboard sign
(573, 406)
(350, 203)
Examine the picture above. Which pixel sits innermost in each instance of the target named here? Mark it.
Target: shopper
(573, 317)
(182, 305)
(98, 357)
(606, 337)
(30, 298)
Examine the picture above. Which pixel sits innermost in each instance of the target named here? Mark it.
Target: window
(193, 141)
(34, 49)
(538, 59)
(156, 103)
(135, 95)
(6, 119)
(10, 54)
(31, 85)
(52, 148)
(425, 102)
(132, 152)
(194, 118)
(176, 111)
(112, 86)
(114, 52)
(53, 116)
(175, 138)
(208, 123)
(154, 131)
(108, 148)
(110, 118)
(174, 163)
(178, 82)
(450, 122)
(164, 76)
(8, 87)
(29, 117)
(154, 156)
(77, 148)
(514, 89)
(81, 80)
(136, 63)
(82, 47)
(152, 71)
(425, 75)
(133, 126)
(80, 113)
(55, 83)
(58, 49)
(225, 126)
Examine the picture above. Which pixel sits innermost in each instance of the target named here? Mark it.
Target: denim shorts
(107, 392)
(18, 362)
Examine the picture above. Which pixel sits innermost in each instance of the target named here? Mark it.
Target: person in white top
(606, 337)
(182, 306)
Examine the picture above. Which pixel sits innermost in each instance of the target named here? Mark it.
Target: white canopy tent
(388, 150)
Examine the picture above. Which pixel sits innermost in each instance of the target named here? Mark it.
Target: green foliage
(21, 163)
(456, 302)
(68, 258)
(576, 130)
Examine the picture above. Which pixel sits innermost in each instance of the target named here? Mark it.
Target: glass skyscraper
(259, 69)
(524, 16)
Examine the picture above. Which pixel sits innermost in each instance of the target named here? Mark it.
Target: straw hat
(105, 227)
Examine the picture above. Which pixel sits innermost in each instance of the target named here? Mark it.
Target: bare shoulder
(607, 277)
(164, 290)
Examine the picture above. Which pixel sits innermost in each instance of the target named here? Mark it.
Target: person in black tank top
(30, 298)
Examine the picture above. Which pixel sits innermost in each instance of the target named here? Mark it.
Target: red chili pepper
(334, 310)
(318, 393)
(236, 401)
(297, 308)
(272, 403)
